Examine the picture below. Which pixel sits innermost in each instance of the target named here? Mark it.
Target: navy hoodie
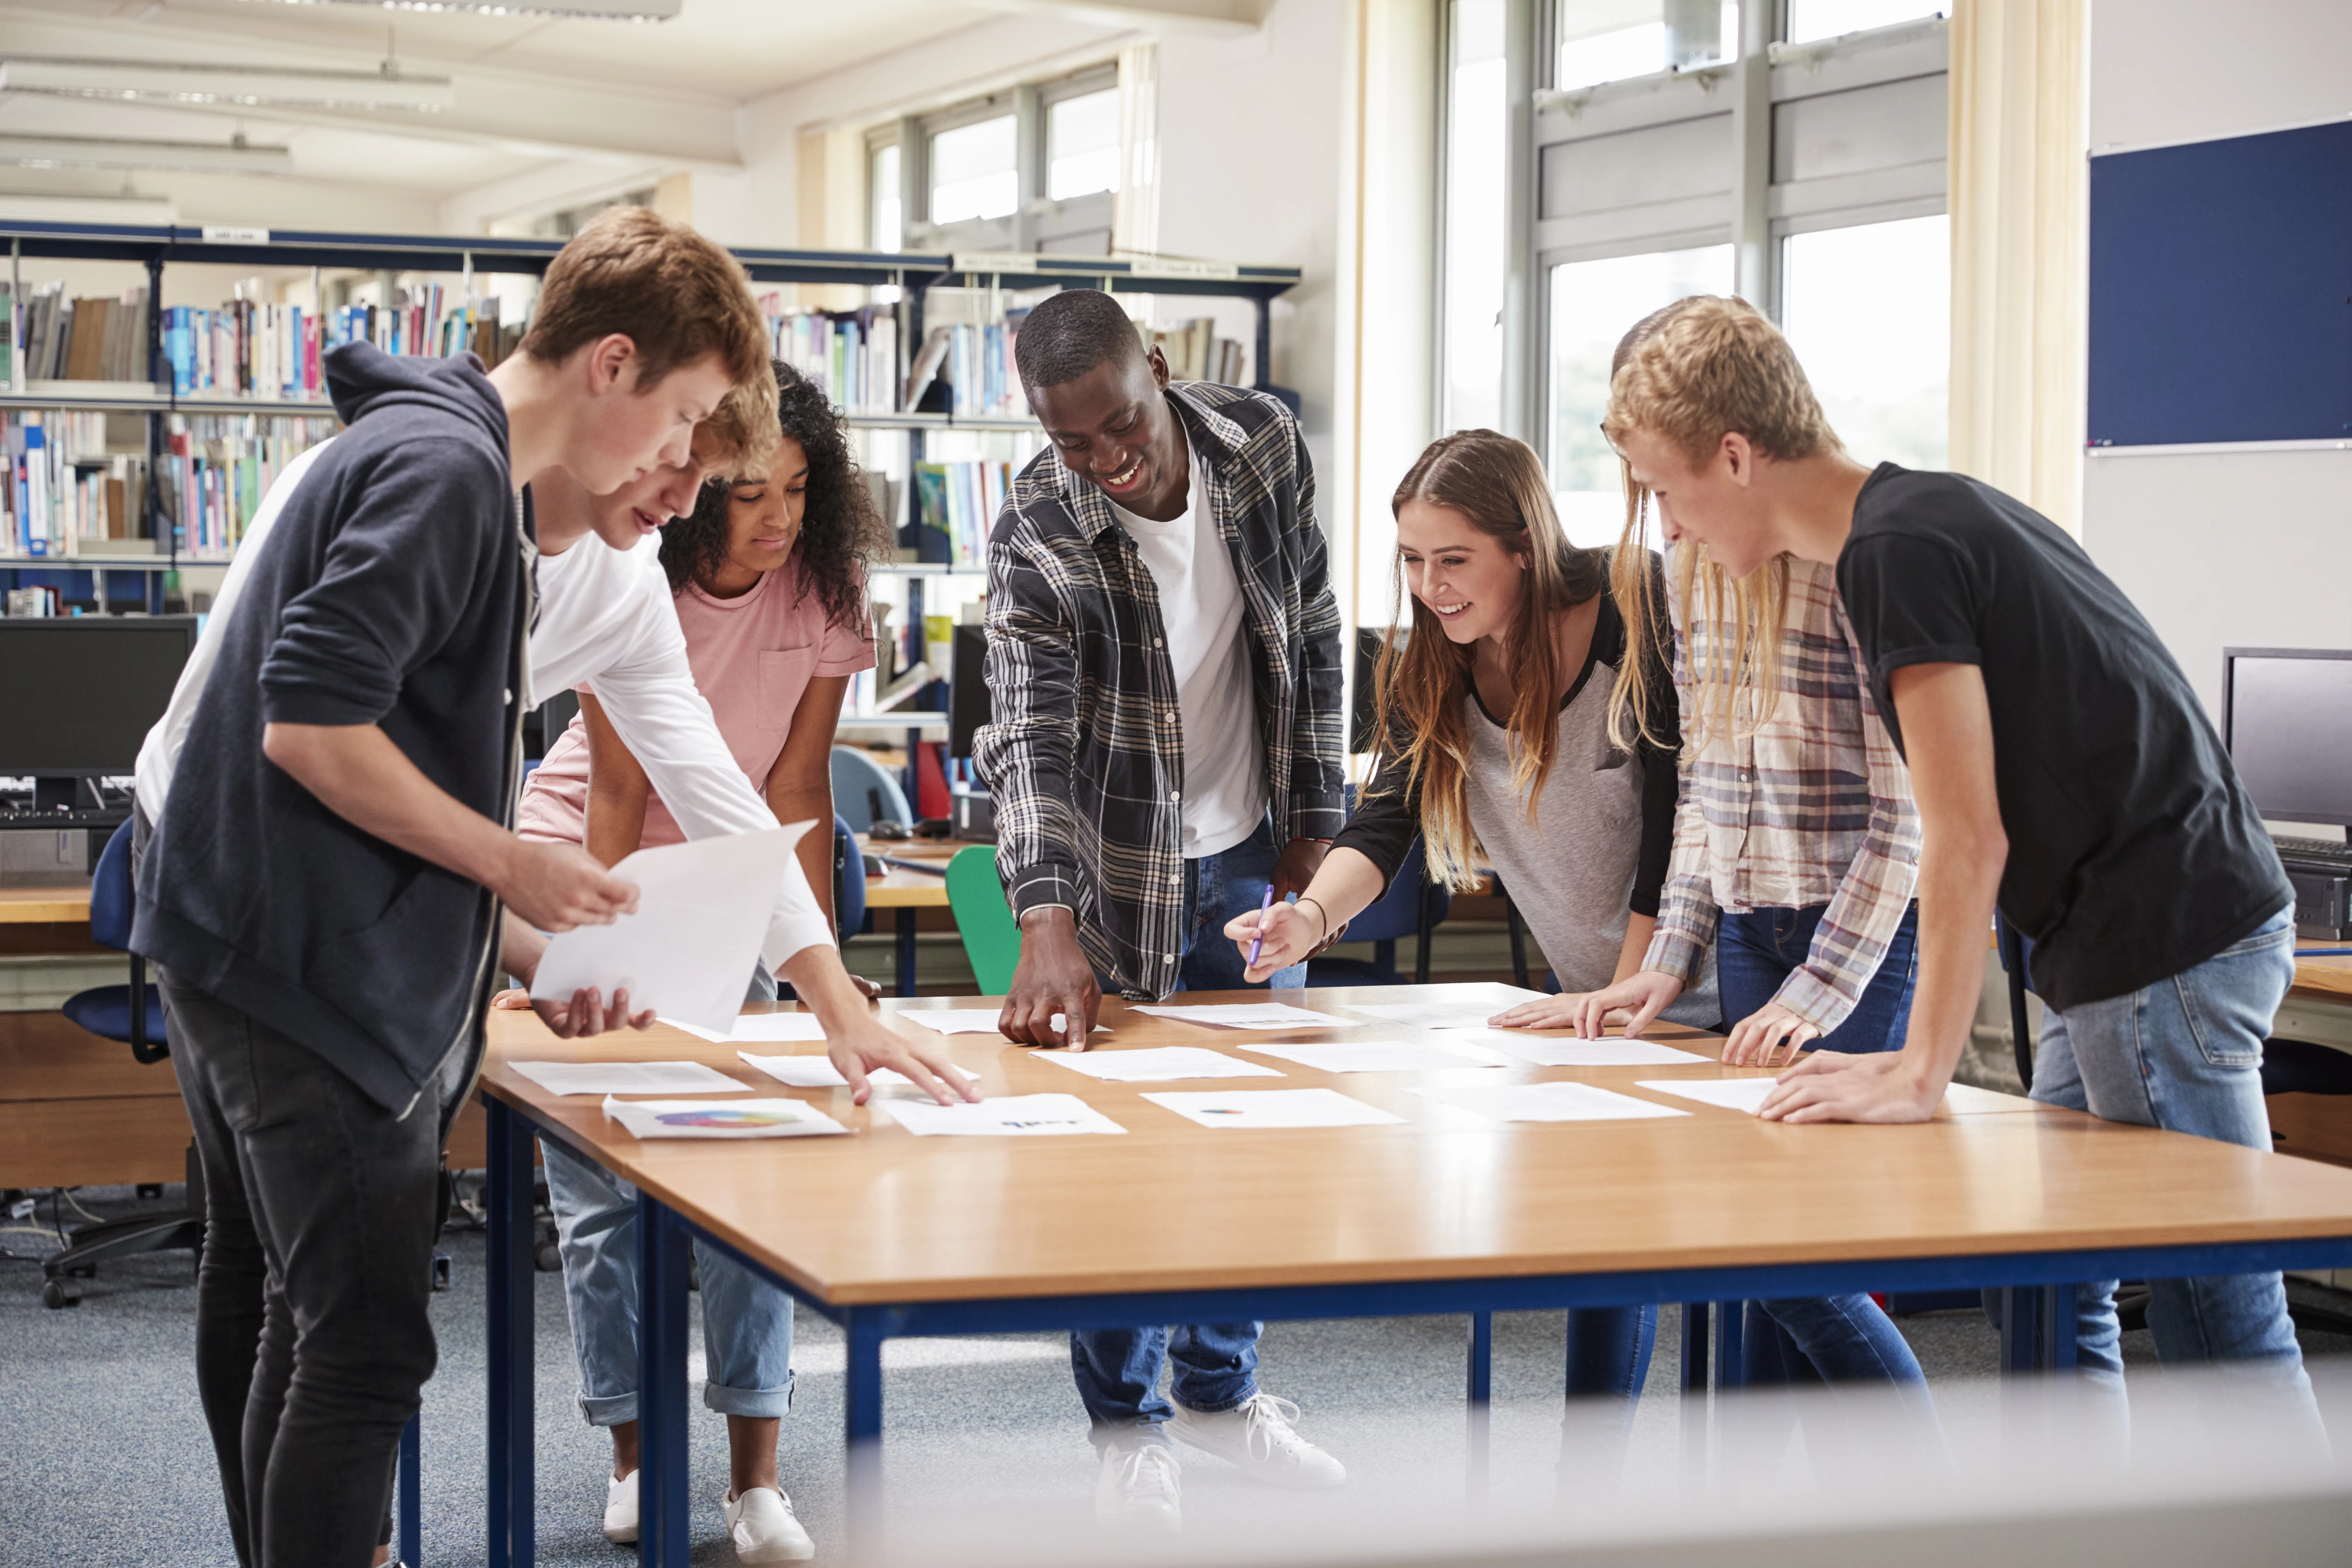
(395, 590)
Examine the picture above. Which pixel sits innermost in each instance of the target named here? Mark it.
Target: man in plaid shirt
(1163, 670)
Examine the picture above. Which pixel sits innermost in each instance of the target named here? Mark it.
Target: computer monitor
(2286, 717)
(967, 689)
(79, 693)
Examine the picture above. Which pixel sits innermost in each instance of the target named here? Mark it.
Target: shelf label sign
(1180, 267)
(224, 234)
(992, 261)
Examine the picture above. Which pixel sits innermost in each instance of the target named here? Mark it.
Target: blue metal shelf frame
(2036, 1326)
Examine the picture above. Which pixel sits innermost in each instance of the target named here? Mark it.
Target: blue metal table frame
(2036, 1327)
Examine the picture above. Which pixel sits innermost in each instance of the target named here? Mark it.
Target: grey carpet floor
(106, 1461)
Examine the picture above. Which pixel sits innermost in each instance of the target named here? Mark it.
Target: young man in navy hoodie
(323, 894)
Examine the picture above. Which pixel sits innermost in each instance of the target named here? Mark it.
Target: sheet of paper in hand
(687, 952)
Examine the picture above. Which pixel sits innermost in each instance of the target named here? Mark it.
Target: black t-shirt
(2134, 852)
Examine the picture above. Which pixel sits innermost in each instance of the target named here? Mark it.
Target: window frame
(1037, 222)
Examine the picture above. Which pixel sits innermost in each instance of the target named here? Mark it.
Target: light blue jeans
(747, 1323)
(2185, 1053)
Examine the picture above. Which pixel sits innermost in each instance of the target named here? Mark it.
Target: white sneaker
(1257, 1436)
(620, 1509)
(764, 1529)
(1136, 1488)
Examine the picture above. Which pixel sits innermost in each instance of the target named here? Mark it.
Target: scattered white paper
(1013, 1116)
(1157, 1065)
(773, 1028)
(629, 1078)
(1384, 1056)
(1547, 1103)
(1252, 1015)
(1267, 1108)
(702, 911)
(818, 1072)
(1731, 1093)
(1967, 1100)
(975, 1020)
(1552, 1051)
(731, 1118)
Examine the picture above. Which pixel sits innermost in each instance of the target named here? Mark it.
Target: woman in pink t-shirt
(768, 577)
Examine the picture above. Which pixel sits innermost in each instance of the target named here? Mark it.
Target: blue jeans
(1837, 1338)
(2185, 1053)
(1118, 1369)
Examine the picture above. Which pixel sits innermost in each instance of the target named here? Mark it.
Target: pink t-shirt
(752, 657)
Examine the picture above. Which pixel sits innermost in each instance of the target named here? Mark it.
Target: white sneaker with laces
(1136, 1488)
(1257, 1436)
(764, 1529)
(620, 1509)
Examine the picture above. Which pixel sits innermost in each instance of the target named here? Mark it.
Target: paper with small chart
(1546, 1103)
(1013, 1116)
(1552, 1051)
(1273, 1108)
(628, 1077)
(1157, 1065)
(702, 912)
(974, 1021)
(818, 1072)
(760, 1028)
(651, 1119)
(1384, 1056)
(1252, 1015)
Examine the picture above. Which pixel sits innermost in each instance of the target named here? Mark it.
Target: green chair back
(991, 937)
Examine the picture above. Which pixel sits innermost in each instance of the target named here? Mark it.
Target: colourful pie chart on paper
(724, 1117)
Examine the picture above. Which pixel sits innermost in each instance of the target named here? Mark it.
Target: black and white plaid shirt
(1085, 755)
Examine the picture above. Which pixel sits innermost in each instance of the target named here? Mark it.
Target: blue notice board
(2220, 291)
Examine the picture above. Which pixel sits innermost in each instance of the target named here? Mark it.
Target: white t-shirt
(604, 614)
(1201, 607)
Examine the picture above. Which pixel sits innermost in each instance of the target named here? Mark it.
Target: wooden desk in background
(44, 906)
(891, 1235)
(903, 891)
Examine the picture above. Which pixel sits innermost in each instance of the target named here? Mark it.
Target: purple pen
(1256, 946)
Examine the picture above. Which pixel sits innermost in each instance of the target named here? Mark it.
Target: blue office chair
(132, 1013)
(865, 792)
(1411, 907)
(849, 881)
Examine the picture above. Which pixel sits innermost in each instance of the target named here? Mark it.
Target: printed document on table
(1547, 1103)
(1269, 1108)
(1550, 1051)
(1384, 1056)
(818, 1072)
(702, 912)
(732, 1118)
(629, 1078)
(1157, 1065)
(1014, 1116)
(1252, 1015)
(1731, 1093)
(770, 1028)
(974, 1020)
(1468, 1009)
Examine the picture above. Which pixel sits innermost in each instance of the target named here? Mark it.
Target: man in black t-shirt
(2061, 764)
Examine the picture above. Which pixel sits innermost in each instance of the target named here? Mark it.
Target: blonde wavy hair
(1694, 373)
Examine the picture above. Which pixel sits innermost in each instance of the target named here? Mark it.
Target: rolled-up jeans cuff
(608, 1409)
(764, 1403)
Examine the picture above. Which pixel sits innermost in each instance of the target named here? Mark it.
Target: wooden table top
(40, 905)
(2330, 977)
(884, 1216)
(898, 889)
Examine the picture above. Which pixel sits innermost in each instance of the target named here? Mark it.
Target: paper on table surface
(1613, 1052)
(974, 1020)
(1731, 1093)
(1546, 1103)
(1252, 1015)
(768, 1028)
(818, 1072)
(1466, 1015)
(628, 1077)
(713, 1119)
(1967, 1100)
(1384, 1056)
(702, 912)
(1156, 1065)
(1013, 1116)
(1268, 1108)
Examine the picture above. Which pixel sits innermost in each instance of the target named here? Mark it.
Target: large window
(1592, 304)
(1609, 40)
(1812, 19)
(1475, 239)
(1034, 168)
(886, 206)
(1868, 310)
(976, 170)
(1082, 145)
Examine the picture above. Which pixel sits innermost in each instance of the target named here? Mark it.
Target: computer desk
(889, 1234)
(44, 906)
(904, 892)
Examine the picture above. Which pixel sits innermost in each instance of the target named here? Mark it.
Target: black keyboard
(18, 820)
(2334, 851)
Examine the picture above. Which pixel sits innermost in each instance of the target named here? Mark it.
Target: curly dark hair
(841, 531)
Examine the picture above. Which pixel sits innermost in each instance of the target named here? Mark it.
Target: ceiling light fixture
(138, 153)
(582, 10)
(159, 81)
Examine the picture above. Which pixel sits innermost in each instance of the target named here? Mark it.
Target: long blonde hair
(1500, 486)
(1693, 373)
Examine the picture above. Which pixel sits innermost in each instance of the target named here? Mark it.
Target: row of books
(852, 355)
(217, 466)
(1195, 353)
(962, 501)
(975, 364)
(102, 338)
(250, 348)
(68, 495)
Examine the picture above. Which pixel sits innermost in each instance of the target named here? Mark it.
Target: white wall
(2241, 548)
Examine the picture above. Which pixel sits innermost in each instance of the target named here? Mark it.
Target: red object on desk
(931, 800)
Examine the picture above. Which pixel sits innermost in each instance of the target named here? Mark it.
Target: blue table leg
(862, 1410)
(663, 1248)
(1482, 1394)
(907, 951)
(2020, 1328)
(2061, 1341)
(512, 1497)
(1696, 1326)
(412, 1494)
(1730, 1358)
